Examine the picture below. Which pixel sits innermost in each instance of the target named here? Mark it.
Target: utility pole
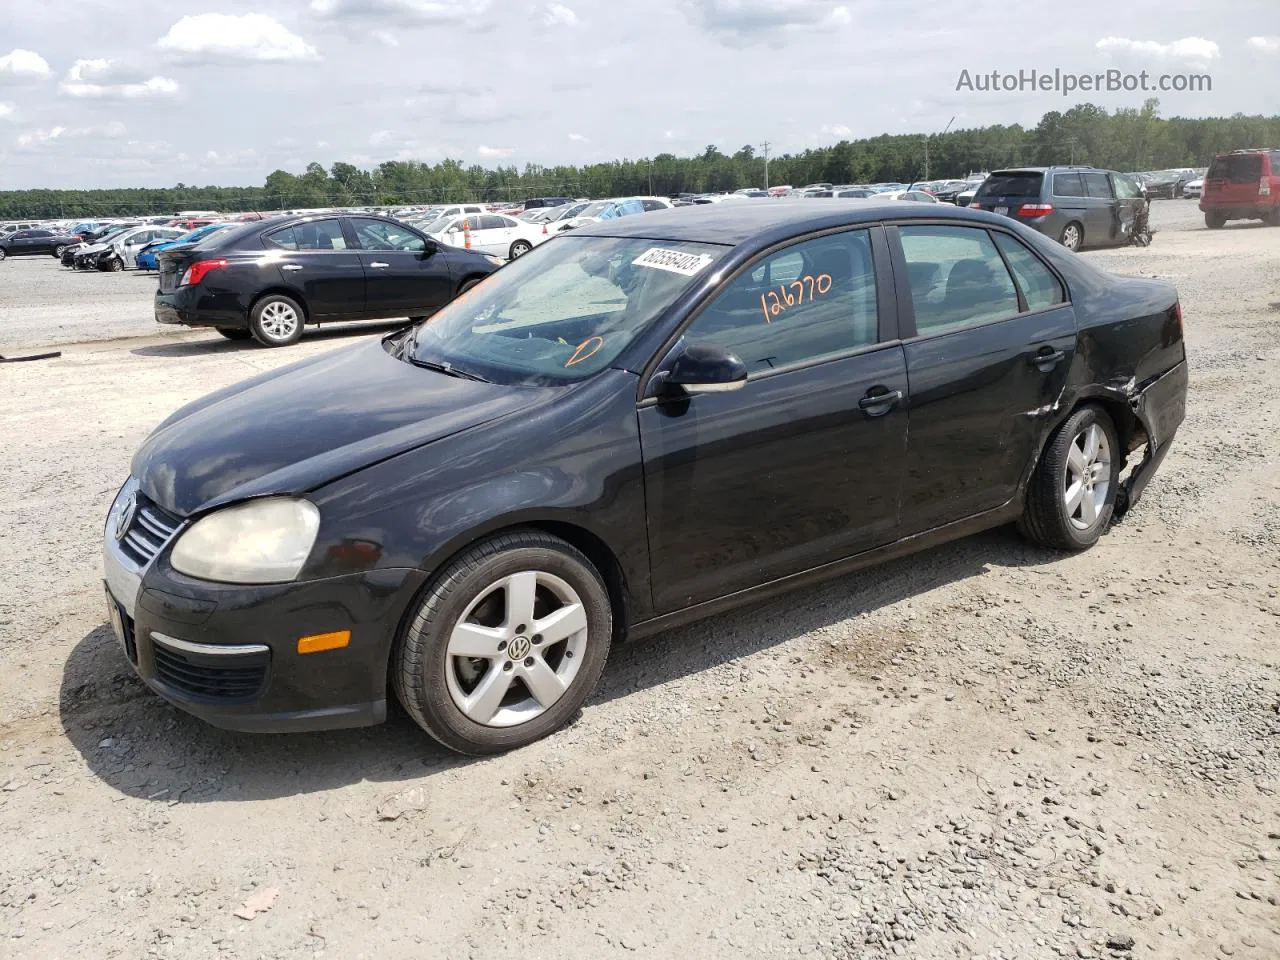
(765, 147)
(651, 176)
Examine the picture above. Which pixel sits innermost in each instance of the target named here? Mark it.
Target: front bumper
(227, 653)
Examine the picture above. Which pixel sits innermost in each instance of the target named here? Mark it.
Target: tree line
(1126, 139)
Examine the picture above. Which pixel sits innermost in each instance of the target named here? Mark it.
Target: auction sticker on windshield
(674, 261)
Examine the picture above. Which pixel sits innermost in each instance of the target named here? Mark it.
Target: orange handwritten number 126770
(776, 303)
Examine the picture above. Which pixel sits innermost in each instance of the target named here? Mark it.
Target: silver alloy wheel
(520, 248)
(1071, 237)
(278, 320)
(1087, 478)
(516, 650)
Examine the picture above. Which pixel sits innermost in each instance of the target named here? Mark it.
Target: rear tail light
(198, 270)
(975, 205)
(1264, 187)
(1035, 209)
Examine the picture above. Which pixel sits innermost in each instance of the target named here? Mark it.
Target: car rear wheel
(1072, 236)
(520, 248)
(276, 320)
(1072, 493)
(1272, 218)
(1215, 221)
(505, 644)
(235, 333)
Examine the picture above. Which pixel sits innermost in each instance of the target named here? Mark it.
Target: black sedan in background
(268, 278)
(29, 243)
(641, 423)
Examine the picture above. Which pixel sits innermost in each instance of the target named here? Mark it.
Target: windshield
(437, 225)
(563, 312)
(594, 209)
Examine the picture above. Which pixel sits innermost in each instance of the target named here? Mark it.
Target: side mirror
(429, 246)
(703, 368)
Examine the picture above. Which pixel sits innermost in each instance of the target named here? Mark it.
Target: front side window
(380, 235)
(1039, 286)
(1126, 187)
(564, 311)
(812, 300)
(317, 235)
(957, 278)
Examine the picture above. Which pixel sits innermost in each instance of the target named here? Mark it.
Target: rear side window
(320, 235)
(493, 223)
(1011, 185)
(1098, 185)
(957, 278)
(812, 300)
(1238, 168)
(1068, 185)
(1039, 286)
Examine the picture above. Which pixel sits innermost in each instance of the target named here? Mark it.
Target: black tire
(235, 333)
(59, 250)
(267, 329)
(420, 659)
(468, 284)
(115, 265)
(1272, 218)
(1072, 236)
(3, 254)
(519, 249)
(1045, 519)
(1215, 221)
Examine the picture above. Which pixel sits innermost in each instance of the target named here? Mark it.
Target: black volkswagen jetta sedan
(269, 278)
(644, 422)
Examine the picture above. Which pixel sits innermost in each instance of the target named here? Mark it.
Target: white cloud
(6, 111)
(385, 37)
(578, 138)
(23, 64)
(113, 130)
(229, 158)
(105, 79)
(1190, 50)
(252, 37)
(403, 11)
(743, 22)
(558, 15)
(836, 130)
(494, 152)
(1265, 44)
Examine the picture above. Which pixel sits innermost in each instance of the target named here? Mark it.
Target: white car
(121, 252)
(565, 215)
(917, 196)
(493, 233)
(1193, 189)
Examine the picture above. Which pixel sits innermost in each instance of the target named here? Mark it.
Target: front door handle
(1046, 358)
(290, 266)
(379, 265)
(879, 401)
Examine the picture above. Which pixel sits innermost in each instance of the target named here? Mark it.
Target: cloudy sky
(146, 92)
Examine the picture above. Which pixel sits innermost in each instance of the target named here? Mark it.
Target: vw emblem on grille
(124, 519)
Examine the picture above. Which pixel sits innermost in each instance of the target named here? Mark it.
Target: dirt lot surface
(986, 750)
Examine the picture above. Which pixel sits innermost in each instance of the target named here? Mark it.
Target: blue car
(146, 258)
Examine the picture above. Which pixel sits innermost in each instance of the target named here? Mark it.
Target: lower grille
(130, 638)
(225, 678)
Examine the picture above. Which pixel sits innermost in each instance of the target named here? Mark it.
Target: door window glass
(814, 299)
(1126, 187)
(1067, 185)
(957, 278)
(380, 235)
(318, 235)
(1040, 287)
(39, 234)
(1098, 185)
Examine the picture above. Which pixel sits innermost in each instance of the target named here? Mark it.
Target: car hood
(292, 430)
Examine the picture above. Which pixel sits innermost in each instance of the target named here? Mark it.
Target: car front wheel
(1072, 493)
(505, 644)
(59, 250)
(276, 320)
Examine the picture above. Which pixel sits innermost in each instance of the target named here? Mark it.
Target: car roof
(770, 222)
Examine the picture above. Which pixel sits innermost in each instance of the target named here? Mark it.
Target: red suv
(1244, 185)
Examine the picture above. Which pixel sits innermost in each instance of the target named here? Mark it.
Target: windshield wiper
(446, 368)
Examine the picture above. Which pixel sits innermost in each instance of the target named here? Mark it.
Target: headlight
(262, 541)
(498, 260)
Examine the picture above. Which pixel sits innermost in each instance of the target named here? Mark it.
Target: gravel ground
(985, 750)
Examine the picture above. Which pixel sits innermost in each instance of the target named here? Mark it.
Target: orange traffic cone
(466, 233)
(544, 229)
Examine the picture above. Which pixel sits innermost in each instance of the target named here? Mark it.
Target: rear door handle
(1047, 358)
(290, 266)
(378, 265)
(878, 404)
